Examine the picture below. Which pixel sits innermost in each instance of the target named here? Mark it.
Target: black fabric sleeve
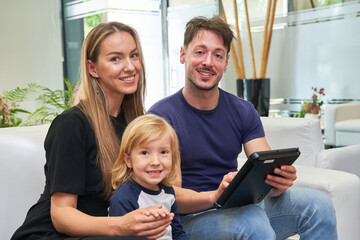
(66, 154)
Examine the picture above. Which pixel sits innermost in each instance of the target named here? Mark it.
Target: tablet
(248, 186)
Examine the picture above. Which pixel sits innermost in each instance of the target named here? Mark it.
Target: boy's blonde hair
(141, 131)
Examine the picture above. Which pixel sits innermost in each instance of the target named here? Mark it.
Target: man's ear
(92, 69)
(182, 55)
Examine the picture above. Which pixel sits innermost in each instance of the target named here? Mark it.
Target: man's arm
(256, 145)
(287, 173)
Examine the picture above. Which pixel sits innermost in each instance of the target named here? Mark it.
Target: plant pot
(256, 91)
(311, 115)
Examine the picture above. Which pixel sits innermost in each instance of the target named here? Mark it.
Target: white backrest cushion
(295, 132)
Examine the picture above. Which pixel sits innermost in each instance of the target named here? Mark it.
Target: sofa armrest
(344, 191)
(329, 124)
(334, 113)
(343, 158)
(22, 175)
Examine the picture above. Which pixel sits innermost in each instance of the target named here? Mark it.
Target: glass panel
(143, 15)
(298, 5)
(309, 48)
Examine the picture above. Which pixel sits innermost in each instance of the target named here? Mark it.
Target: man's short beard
(202, 88)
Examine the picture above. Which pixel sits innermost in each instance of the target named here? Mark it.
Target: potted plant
(255, 89)
(311, 109)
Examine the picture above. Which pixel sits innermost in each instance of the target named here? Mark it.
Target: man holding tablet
(212, 126)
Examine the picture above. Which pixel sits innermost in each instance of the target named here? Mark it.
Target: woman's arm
(67, 219)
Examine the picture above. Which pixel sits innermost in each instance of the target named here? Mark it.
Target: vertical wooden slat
(250, 40)
(238, 41)
(264, 44)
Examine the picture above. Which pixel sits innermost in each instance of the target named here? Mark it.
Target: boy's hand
(156, 211)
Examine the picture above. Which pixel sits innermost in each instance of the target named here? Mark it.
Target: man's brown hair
(215, 24)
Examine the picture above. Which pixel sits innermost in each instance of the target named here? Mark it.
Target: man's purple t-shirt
(210, 141)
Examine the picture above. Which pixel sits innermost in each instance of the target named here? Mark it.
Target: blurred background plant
(10, 105)
(51, 102)
(313, 106)
(322, 3)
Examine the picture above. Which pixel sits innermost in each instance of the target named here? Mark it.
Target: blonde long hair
(142, 131)
(92, 100)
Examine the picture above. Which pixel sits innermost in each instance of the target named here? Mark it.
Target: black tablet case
(248, 185)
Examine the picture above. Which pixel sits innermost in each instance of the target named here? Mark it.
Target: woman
(83, 143)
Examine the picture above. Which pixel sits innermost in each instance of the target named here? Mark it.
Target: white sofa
(342, 124)
(23, 157)
(306, 134)
(342, 187)
(22, 178)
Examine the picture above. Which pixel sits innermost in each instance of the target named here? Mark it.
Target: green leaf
(52, 103)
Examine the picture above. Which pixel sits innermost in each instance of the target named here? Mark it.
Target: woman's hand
(150, 222)
(281, 183)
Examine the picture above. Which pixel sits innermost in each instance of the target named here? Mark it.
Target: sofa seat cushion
(347, 138)
(352, 125)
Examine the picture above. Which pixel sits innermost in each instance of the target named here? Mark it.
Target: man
(212, 126)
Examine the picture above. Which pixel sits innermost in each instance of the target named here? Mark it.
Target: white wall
(322, 54)
(30, 44)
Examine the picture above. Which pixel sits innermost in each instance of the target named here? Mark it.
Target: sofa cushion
(347, 138)
(295, 132)
(352, 125)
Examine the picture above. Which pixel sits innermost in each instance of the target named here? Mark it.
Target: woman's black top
(71, 167)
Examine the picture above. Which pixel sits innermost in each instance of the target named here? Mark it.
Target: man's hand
(281, 183)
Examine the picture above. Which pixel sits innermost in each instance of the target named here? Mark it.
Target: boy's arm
(189, 201)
